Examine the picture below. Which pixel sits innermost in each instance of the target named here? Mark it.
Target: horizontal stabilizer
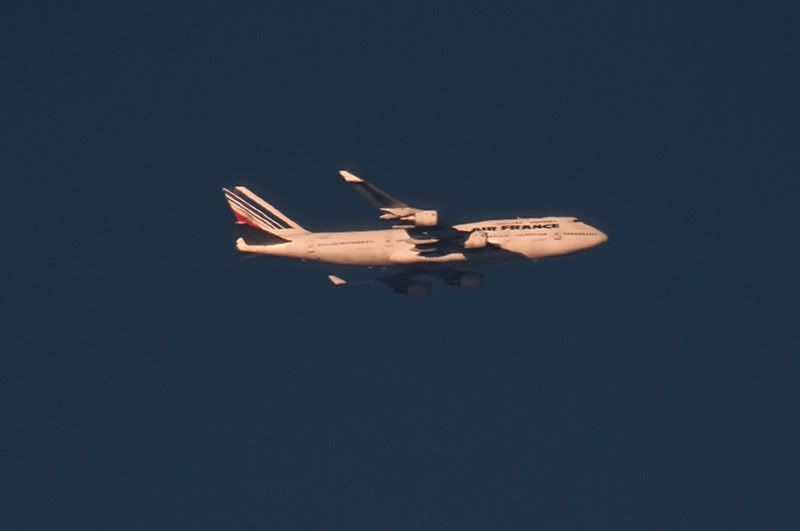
(337, 281)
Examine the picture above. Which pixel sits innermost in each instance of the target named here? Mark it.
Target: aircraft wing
(391, 208)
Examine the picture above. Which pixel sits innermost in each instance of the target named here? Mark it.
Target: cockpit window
(576, 220)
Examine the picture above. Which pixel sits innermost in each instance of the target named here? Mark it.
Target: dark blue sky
(154, 379)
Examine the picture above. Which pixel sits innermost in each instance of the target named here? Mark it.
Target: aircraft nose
(600, 237)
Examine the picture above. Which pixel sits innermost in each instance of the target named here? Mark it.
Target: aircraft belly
(530, 248)
(409, 255)
(369, 256)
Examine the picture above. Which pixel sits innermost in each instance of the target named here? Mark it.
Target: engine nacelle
(469, 280)
(476, 240)
(464, 279)
(423, 218)
(415, 288)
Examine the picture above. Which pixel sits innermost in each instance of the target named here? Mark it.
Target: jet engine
(461, 279)
(423, 218)
(417, 288)
(469, 280)
(476, 240)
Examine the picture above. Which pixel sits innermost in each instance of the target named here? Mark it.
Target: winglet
(336, 281)
(349, 177)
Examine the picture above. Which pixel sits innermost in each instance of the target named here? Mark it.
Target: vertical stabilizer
(252, 210)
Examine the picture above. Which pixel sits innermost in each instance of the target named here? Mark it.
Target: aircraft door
(556, 231)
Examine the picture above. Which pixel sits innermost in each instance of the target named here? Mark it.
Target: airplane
(419, 244)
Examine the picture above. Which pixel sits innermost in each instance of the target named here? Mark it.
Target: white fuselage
(520, 238)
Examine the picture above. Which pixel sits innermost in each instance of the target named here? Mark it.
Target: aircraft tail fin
(251, 210)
